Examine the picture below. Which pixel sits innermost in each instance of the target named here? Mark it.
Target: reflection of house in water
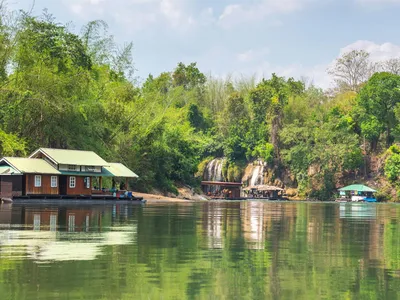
(375, 229)
(377, 240)
(357, 211)
(78, 220)
(253, 224)
(42, 240)
(58, 218)
(41, 219)
(5, 215)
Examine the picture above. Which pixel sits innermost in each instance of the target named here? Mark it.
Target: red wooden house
(56, 172)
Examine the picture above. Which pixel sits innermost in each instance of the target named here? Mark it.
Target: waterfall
(213, 172)
(257, 176)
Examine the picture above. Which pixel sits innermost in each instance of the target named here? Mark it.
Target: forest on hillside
(77, 90)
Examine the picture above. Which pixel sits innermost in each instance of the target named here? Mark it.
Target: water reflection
(215, 250)
(214, 226)
(48, 234)
(358, 211)
(253, 224)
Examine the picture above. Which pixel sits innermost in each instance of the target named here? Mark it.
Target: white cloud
(258, 63)
(378, 52)
(235, 14)
(174, 13)
(138, 14)
(254, 62)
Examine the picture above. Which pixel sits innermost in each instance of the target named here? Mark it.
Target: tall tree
(392, 66)
(352, 69)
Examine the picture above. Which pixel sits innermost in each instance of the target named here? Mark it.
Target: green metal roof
(358, 188)
(120, 170)
(72, 157)
(30, 165)
(104, 173)
(7, 170)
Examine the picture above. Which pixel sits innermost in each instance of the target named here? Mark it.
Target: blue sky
(239, 37)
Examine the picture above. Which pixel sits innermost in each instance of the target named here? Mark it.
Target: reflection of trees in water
(224, 250)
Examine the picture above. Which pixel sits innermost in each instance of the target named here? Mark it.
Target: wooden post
(126, 184)
(100, 183)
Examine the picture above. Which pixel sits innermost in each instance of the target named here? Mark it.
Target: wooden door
(63, 184)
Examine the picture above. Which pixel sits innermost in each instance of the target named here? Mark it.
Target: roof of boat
(358, 188)
(263, 187)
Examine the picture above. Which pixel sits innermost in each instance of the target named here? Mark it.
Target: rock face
(258, 173)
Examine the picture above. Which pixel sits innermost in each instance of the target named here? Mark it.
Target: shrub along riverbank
(68, 90)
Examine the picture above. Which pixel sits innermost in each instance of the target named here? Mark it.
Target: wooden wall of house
(80, 188)
(45, 189)
(10, 186)
(81, 219)
(44, 216)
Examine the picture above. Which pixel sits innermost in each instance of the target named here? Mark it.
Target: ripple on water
(216, 250)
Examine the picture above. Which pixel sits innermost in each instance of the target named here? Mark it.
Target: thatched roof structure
(263, 188)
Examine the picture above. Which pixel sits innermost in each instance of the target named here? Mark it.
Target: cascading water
(257, 176)
(213, 172)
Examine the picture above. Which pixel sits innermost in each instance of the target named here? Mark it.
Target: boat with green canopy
(356, 193)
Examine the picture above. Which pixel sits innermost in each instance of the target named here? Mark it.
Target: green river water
(214, 250)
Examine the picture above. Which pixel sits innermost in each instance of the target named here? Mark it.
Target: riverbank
(154, 198)
(185, 195)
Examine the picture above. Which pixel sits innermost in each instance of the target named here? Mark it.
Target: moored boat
(356, 193)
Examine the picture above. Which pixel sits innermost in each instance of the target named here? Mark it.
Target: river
(213, 250)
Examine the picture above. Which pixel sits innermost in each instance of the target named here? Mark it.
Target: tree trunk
(388, 137)
(275, 129)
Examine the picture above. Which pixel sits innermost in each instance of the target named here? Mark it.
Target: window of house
(38, 180)
(72, 168)
(72, 182)
(87, 182)
(36, 222)
(90, 169)
(53, 222)
(71, 222)
(53, 181)
(87, 223)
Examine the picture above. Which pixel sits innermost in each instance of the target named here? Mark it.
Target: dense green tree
(378, 99)
(188, 76)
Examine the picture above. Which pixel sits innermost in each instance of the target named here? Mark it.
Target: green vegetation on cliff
(61, 89)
